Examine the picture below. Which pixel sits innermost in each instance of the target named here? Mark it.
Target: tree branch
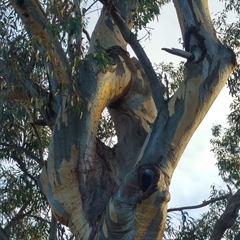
(228, 217)
(180, 53)
(39, 142)
(36, 22)
(131, 39)
(203, 204)
(28, 153)
(87, 34)
(78, 35)
(171, 133)
(19, 215)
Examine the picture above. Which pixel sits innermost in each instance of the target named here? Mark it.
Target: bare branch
(179, 52)
(203, 204)
(86, 10)
(87, 34)
(28, 153)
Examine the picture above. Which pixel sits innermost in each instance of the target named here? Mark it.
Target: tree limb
(131, 39)
(87, 34)
(170, 134)
(228, 217)
(35, 20)
(180, 53)
(203, 204)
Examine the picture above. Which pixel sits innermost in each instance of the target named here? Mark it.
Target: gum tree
(97, 191)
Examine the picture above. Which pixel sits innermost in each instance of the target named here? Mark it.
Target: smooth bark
(122, 193)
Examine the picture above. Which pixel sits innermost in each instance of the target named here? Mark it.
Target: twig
(85, 10)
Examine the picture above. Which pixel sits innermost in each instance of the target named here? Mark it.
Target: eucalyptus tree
(68, 78)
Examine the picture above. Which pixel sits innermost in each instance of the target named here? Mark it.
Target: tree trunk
(122, 192)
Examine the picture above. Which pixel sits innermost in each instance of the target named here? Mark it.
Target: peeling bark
(122, 193)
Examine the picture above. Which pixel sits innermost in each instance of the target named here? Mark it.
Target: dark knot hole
(147, 177)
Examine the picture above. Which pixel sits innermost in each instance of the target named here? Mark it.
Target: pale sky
(196, 171)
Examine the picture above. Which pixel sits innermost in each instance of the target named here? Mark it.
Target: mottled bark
(122, 193)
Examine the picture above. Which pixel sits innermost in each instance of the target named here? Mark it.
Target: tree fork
(90, 193)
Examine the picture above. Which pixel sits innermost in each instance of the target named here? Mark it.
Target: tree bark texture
(122, 192)
(228, 217)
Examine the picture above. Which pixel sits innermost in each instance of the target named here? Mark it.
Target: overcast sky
(196, 171)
